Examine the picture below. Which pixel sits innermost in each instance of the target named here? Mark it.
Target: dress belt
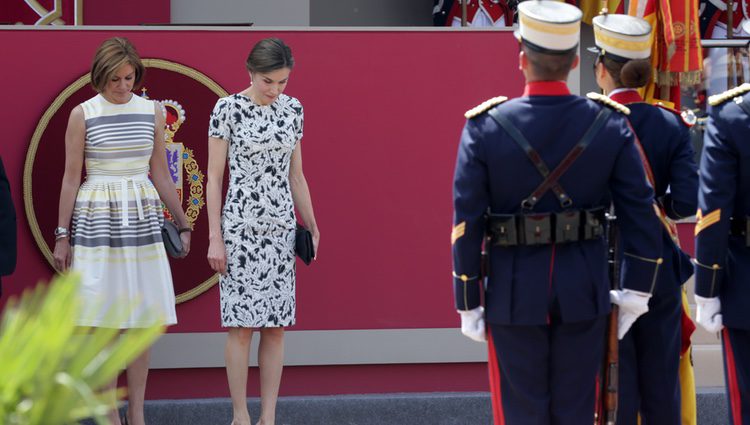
(124, 192)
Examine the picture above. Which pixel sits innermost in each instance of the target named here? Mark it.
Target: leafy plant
(50, 371)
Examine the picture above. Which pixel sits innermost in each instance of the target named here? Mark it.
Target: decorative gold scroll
(54, 16)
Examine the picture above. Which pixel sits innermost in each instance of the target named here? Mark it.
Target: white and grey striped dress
(126, 279)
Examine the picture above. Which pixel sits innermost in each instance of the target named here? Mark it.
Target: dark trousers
(545, 375)
(649, 365)
(736, 347)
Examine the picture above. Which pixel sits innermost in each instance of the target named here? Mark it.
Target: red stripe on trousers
(734, 390)
(494, 371)
(598, 410)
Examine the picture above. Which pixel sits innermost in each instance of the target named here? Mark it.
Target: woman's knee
(272, 333)
(240, 335)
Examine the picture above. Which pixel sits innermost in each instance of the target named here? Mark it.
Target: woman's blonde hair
(111, 55)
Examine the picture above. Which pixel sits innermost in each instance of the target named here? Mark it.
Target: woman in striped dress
(115, 240)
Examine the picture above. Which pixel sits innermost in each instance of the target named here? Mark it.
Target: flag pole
(464, 13)
(730, 19)
(730, 51)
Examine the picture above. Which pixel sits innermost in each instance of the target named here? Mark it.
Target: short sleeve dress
(116, 224)
(258, 220)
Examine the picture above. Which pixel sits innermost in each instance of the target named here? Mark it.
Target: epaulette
(718, 99)
(619, 107)
(484, 106)
(687, 116)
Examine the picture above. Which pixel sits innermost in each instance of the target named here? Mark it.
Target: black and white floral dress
(258, 221)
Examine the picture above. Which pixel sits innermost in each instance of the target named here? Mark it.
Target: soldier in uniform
(481, 13)
(649, 354)
(714, 20)
(535, 175)
(722, 254)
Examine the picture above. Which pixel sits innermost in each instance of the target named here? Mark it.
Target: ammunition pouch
(545, 228)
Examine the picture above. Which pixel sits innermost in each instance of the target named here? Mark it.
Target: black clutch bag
(303, 244)
(171, 236)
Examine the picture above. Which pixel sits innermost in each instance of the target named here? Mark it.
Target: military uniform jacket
(665, 138)
(723, 261)
(493, 173)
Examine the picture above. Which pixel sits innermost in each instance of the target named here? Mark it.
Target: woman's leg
(236, 356)
(137, 374)
(114, 414)
(271, 362)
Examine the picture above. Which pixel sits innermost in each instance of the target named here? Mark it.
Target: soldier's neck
(546, 88)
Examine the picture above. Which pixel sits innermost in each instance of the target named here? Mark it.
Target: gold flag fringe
(685, 79)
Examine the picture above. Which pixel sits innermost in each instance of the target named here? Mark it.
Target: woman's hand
(185, 238)
(62, 255)
(316, 241)
(217, 256)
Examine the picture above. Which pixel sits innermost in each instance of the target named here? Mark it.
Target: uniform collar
(546, 88)
(626, 96)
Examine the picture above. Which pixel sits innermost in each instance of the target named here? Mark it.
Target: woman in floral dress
(251, 240)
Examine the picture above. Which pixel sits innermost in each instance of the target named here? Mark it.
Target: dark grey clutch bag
(303, 244)
(171, 236)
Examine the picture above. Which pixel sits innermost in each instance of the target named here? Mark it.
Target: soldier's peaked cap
(622, 37)
(548, 26)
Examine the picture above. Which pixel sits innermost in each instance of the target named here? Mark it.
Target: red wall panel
(323, 380)
(686, 231)
(383, 112)
(131, 12)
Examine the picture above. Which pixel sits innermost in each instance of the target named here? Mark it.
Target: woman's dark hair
(632, 74)
(269, 55)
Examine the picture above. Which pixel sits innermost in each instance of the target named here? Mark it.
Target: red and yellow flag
(676, 56)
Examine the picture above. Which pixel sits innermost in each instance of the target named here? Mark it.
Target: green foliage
(53, 372)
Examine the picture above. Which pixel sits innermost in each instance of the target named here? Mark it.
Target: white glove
(472, 324)
(633, 304)
(708, 314)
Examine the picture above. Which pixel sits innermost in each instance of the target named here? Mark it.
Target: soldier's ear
(576, 62)
(523, 61)
(599, 70)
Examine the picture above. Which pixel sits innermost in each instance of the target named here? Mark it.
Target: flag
(676, 54)
(687, 374)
